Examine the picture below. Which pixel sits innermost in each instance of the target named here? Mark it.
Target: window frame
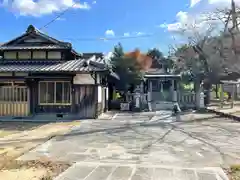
(54, 101)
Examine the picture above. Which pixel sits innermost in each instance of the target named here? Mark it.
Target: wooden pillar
(172, 89)
(142, 87)
(161, 86)
(150, 91)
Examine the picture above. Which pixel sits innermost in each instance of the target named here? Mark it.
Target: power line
(93, 39)
(110, 39)
(58, 16)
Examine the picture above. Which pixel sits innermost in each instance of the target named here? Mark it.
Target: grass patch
(47, 177)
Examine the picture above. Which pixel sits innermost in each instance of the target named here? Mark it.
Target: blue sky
(151, 22)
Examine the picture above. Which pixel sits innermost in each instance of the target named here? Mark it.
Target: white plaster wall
(39, 55)
(54, 55)
(21, 74)
(24, 55)
(10, 55)
(5, 74)
(99, 94)
(107, 93)
(83, 79)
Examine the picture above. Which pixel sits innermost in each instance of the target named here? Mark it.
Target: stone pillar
(137, 100)
(174, 90)
(201, 101)
(149, 95)
(99, 100)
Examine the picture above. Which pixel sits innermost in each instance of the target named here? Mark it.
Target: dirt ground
(7, 128)
(17, 138)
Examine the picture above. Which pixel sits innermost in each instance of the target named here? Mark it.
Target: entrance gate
(14, 100)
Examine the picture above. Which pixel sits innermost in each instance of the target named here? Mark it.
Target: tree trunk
(197, 89)
(216, 91)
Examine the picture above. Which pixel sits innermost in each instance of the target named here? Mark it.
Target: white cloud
(222, 2)
(127, 34)
(185, 19)
(42, 7)
(139, 33)
(194, 2)
(109, 32)
(61, 19)
(94, 2)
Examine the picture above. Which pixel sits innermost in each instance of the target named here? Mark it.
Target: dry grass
(233, 172)
(36, 169)
(14, 146)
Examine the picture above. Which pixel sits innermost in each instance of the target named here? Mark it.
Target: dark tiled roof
(159, 73)
(156, 71)
(77, 65)
(89, 55)
(31, 47)
(32, 31)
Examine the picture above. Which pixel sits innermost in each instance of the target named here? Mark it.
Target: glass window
(43, 92)
(54, 93)
(50, 92)
(66, 92)
(59, 92)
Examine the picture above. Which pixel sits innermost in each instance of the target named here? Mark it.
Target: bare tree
(229, 41)
(213, 51)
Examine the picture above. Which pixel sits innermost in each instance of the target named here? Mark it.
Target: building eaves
(31, 47)
(77, 65)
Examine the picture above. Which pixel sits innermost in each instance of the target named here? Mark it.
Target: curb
(227, 115)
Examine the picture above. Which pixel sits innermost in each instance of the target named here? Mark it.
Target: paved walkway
(100, 171)
(136, 146)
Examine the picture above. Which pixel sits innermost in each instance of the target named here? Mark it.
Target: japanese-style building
(161, 85)
(44, 78)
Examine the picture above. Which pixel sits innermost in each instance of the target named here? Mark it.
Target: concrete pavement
(136, 145)
(92, 171)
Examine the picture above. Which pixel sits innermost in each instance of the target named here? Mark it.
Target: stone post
(150, 95)
(201, 101)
